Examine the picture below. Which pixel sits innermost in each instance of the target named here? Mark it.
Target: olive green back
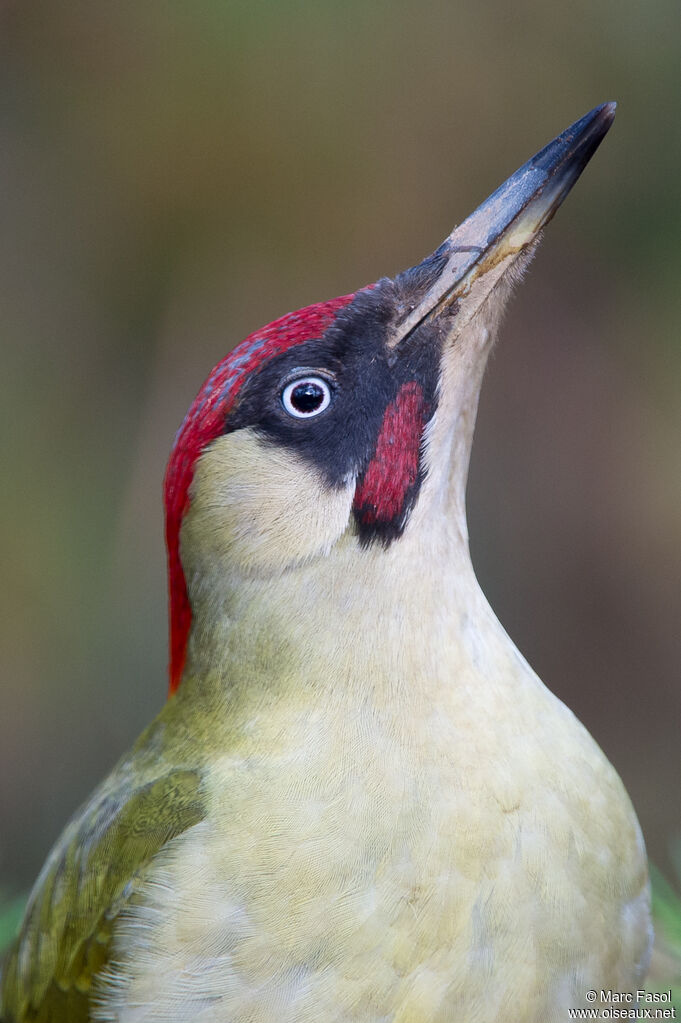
(93, 872)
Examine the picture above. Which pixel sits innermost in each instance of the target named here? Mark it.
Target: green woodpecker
(360, 803)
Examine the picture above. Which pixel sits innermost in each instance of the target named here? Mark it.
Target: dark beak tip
(572, 149)
(604, 115)
(515, 213)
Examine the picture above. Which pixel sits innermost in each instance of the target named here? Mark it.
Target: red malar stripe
(381, 494)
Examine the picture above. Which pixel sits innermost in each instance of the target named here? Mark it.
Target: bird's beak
(477, 253)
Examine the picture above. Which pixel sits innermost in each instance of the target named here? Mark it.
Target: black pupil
(307, 397)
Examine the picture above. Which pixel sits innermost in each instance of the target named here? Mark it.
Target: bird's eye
(306, 397)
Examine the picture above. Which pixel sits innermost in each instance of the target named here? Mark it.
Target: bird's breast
(354, 866)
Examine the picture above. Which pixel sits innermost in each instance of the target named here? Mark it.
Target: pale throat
(351, 618)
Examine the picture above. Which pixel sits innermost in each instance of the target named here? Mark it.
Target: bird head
(351, 420)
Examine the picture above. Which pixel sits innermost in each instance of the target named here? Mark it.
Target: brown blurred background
(172, 176)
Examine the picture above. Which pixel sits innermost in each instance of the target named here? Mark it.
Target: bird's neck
(367, 623)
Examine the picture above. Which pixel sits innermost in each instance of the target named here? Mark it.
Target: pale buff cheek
(259, 509)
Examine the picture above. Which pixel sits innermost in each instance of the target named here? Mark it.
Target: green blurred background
(172, 176)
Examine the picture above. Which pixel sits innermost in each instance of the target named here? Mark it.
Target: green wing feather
(95, 869)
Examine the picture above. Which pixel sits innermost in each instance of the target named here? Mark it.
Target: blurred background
(174, 175)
